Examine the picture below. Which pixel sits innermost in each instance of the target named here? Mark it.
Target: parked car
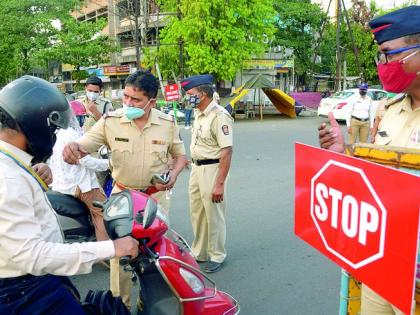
(339, 102)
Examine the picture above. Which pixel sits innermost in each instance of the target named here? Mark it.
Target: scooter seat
(67, 205)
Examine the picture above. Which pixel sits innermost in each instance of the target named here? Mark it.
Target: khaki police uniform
(211, 132)
(103, 105)
(135, 156)
(400, 127)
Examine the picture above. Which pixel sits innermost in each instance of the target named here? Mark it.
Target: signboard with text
(361, 215)
(171, 92)
(116, 70)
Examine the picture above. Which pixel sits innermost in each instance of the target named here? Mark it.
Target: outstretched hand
(331, 138)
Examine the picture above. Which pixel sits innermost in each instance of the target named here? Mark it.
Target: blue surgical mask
(134, 112)
(93, 96)
(193, 100)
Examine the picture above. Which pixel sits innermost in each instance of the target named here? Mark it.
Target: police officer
(211, 153)
(34, 262)
(398, 37)
(142, 139)
(361, 116)
(96, 105)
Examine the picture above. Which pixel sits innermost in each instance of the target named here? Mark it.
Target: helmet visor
(60, 119)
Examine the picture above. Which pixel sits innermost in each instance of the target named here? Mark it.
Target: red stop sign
(361, 215)
(348, 214)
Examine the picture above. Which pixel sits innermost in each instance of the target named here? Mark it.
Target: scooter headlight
(193, 281)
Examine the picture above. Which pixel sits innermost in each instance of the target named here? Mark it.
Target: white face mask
(93, 96)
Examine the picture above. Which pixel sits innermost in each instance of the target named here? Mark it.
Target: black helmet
(39, 109)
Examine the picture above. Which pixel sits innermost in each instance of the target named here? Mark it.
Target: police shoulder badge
(225, 129)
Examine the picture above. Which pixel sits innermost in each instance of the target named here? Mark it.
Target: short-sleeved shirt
(136, 154)
(103, 105)
(211, 132)
(400, 125)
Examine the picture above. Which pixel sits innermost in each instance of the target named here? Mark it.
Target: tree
(80, 44)
(298, 26)
(25, 28)
(216, 35)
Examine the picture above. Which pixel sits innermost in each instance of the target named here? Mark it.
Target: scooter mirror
(149, 213)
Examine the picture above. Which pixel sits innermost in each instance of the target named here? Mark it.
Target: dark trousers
(188, 114)
(39, 295)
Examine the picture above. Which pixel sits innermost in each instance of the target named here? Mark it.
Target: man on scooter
(398, 37)
(142, 141)
(34, 262)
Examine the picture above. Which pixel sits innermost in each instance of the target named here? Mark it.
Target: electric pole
(337, 84)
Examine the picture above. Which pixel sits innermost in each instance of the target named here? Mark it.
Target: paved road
(268, 269)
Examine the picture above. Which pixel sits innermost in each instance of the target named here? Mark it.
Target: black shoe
(200, 261)
(212, 266)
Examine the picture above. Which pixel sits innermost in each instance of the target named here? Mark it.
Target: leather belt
(15, 280)
(148, 191)
(205, 162)
(360, 119)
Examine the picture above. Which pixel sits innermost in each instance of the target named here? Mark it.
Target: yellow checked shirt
(135, 155)
(211, 131)
(400, 125)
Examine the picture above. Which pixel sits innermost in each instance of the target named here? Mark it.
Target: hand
(217, 193)
(44, 172)
(332, 138)
(169, 185)
(72, 152)
(126, 246)
(91, 108)
(349, 130)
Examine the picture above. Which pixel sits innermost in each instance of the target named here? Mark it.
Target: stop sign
(361, 215)
(348, 214)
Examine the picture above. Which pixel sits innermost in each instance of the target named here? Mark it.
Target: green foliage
(31, 38)
(299, 23)
(79, 44)
(217, 35)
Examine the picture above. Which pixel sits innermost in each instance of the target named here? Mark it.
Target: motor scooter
(74, 217)
(170, 278)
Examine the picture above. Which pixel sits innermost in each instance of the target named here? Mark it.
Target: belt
(14, 280)
(205, 162)
(148, 191)
(360, 119)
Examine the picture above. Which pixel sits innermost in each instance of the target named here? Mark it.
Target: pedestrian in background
(398, 37)
(361, 116)
(211, 153)
(188, 112)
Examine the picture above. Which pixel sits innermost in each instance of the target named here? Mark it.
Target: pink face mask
(393, 77)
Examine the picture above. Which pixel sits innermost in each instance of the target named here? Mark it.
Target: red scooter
(170, 278)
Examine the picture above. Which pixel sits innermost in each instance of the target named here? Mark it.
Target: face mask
(393, 77)
(363, 93)
(93, 96)
(134, 112)
(193, 100)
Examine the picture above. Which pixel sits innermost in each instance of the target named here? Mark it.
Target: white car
(338, 103)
